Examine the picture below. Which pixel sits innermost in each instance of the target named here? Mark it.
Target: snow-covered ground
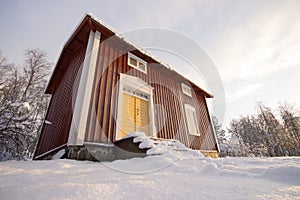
(168, 176)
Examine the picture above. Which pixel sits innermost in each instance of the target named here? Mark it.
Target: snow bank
(288, 174)
(187, 178)
(171, 172)
(161, 154)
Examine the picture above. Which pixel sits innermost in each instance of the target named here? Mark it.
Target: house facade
(104, 87)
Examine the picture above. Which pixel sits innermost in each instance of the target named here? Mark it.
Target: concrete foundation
(122, 149)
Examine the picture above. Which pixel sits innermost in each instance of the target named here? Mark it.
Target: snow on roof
(142, 50)
(120, 36)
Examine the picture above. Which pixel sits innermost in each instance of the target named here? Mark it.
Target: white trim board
(84, 93)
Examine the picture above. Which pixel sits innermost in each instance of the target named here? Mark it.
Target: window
(135, 92)
(186, 89)
(137, 63)
(191, 119)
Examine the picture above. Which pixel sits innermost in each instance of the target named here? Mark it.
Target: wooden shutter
(135, 115)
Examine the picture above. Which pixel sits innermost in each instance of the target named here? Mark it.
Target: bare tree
(22, 104)
(35, 71)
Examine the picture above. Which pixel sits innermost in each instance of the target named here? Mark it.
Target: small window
(133, 62)
(142, 66)
(186, 89)
(137, 63)
(191, 118)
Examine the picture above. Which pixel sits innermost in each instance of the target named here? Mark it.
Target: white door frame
(136, 84)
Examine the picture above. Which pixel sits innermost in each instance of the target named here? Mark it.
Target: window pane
(132, 61)
(142, 66)
(194, 123)
(186, 90)
(191, 121)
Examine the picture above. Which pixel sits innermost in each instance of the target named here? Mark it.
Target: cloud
(264, 42)
(166, 14)
(238, 91)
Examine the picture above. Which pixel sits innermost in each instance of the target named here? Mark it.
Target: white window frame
(138, 61)
(191, 108)
(186, 89)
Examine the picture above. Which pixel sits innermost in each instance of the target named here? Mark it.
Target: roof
(80, 35)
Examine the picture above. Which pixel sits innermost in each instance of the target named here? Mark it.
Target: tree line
(262, 133)
(23, 103)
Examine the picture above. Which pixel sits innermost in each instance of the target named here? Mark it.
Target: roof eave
(95, 24)
(50, 88)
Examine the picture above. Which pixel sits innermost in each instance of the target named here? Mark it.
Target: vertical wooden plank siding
(102, 125)
(167, 93)
(60, 109)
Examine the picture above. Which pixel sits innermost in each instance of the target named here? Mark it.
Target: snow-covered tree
(290, 117)
(264, 135)
(238, 133)
(219, 131)
(230, 144)
(220, 136)
(22, 104)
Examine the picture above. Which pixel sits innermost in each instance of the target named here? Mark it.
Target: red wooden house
(104, 87)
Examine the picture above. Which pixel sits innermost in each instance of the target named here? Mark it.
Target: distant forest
(263, 133)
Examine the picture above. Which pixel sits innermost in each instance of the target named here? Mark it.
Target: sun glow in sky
(255, 45)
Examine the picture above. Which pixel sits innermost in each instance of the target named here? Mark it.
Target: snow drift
(186, 177)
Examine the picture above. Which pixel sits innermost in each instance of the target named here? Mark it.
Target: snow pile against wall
(161, 154)
(162, 146)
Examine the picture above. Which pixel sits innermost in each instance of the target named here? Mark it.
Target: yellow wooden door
(135, 115)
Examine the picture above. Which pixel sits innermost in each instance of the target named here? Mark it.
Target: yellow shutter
(128, 114)
(135, 115)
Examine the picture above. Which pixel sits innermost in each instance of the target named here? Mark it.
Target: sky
(255, 45)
